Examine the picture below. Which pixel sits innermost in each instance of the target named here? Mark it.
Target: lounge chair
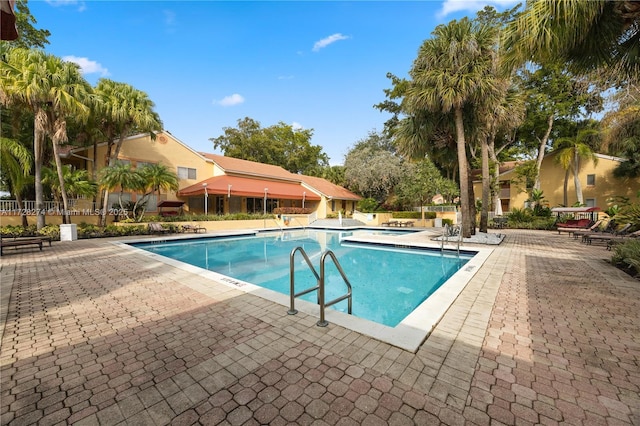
(193, 228)
(622, 238)
(22, 242)
(156, 228)
(590, 238)
(593, 228)
(574, 225)
(391, 223)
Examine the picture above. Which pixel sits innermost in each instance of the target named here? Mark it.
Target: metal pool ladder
(320, 279)
(451, 231)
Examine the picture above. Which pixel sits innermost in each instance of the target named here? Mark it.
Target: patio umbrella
(498, 211)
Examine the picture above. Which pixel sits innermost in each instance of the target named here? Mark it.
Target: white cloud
(452, 6)
(231, 100)
(285, 77)
(296, 126)
(81, 4)
(87, 66)
(328, 40)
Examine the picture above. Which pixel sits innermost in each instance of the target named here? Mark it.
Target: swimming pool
(389, 282)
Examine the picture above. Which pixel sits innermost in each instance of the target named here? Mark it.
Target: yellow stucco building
(225, 184)
(597, 181)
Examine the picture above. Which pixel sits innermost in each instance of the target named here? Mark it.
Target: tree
(584, 34)
(15, 166)
(424, 181)
(76, 182)
(371, 170)
(451, 73)
(280, 145)
(571, 152)
(120, 176)
(622, 131)
(28, 35)
(552, 93)
(154, 177)
(123, 110)
(51, 89)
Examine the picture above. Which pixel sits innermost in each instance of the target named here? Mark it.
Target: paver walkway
(545, 333)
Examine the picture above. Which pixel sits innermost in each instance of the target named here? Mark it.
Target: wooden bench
(23, 242)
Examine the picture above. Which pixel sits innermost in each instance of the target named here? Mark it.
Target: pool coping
(409, 335)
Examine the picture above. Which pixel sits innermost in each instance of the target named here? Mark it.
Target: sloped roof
(252, 168)
(330, 190)
(238, 166)
(248, 187)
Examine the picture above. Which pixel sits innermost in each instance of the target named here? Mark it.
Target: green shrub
(516, 215)
(52, 231)
(408, 215)
(367, 205)
(447, 222)
(292, 210)
(626, 256)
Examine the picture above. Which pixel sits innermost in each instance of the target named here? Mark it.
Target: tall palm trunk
(543, 144)
(565, 193)
(576, 178)
(38, 147)
(105, 194)
(464, 180)
(63, 192)
(486, 187)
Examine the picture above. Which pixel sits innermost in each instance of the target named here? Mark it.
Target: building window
(141, 164)
(186, 173)
(590, 202)
(591, 180)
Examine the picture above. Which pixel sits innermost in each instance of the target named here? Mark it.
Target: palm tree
(120, 176)
(15, 164)
(452, 72)
(571, 152)
(155, 177)
(52, 89)
(76, 182)
(586, 34)
(123, 109)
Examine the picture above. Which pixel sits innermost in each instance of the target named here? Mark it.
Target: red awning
(246, 187)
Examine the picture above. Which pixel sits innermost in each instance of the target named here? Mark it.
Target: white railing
(312, 217)
(11, 206)
(440, 209)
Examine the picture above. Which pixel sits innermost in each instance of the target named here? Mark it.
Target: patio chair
(156, 228)
(593, 228)
(574, 225)
(193, 228)
(622, 238)
(590, 238)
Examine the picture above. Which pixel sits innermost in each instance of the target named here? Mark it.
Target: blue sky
(207, 64)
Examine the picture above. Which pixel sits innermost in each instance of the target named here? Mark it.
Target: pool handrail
(348, 295)
(292, 294)
(320, 279)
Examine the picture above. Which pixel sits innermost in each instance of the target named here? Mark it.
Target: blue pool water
(388, 283)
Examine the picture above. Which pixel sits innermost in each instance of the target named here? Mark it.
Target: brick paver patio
(545, 333)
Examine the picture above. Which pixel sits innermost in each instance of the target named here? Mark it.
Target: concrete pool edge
(408, 335)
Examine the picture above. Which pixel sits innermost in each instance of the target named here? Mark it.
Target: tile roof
(329, 189)
(252, 168)
(238, 166)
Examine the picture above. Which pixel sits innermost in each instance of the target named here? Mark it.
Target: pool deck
(546, 332)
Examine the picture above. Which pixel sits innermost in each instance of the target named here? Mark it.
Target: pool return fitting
(320, 279)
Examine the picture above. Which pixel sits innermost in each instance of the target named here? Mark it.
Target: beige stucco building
(597, 181)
